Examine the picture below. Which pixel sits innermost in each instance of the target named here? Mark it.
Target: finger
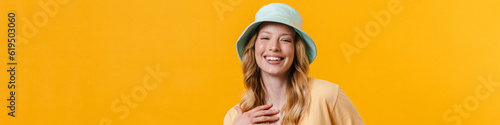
(267, 123)
(265, 119)
(265, 112)
(238, 109)
(262, 107)
(264, 123)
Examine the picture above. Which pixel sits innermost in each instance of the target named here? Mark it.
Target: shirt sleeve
(230, 116)
(344, 112)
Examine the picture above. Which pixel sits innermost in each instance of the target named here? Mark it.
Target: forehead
(276, 28)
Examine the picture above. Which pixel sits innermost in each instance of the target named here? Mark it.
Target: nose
(274, 46)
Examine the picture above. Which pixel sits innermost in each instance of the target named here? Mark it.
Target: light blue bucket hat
(280, 13)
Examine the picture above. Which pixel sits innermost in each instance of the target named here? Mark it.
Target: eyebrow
(284, 34)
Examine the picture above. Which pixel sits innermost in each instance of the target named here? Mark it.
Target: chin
(274, 71)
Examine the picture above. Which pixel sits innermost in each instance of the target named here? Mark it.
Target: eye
(264, 38)
(286, 40)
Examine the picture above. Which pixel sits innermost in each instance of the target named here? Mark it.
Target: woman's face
(275, 48)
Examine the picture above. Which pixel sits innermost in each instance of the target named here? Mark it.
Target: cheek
(289, 50)
(259, 48)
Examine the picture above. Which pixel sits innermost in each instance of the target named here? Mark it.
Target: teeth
(273, 58)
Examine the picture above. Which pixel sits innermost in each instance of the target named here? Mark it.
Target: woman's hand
(258, 115)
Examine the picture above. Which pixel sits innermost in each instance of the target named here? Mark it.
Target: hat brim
(245, 37)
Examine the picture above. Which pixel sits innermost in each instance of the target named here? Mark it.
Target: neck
(275, 87)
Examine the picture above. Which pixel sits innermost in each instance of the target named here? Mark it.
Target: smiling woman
(276, 54)
(275, 46)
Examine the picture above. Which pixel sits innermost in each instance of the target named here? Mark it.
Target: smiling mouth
(271, 58)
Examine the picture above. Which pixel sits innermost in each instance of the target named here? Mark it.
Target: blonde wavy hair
(297, 90)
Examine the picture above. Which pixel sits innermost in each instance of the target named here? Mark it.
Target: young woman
(276, 55)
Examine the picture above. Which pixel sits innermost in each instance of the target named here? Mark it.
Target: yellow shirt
(329, 106)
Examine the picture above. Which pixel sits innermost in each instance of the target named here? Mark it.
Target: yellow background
(92, 52)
